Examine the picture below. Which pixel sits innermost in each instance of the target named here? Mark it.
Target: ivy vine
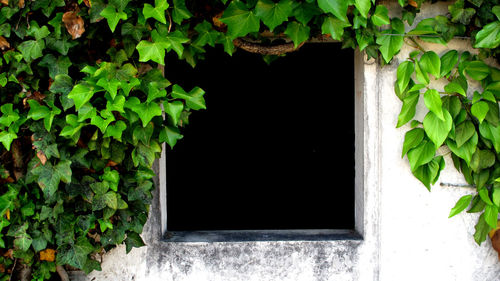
(85, 106)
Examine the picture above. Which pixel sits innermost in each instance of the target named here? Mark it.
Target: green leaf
(412, 139)
(101, 123)
(408, 109)
(81, 94)
(116, 130)
(239, 20)
(459, 14)
(428, 173)
(422, 75)
(466, 150)
(9, 115)
(463, 132)
(477, 70)
(479, 110)
(133, 241)
(405, 70)
(433, 102)
(298, 32)
(174, 110)
(180, 12)
(491, 215)
(146, 111)
(31, 49)
(56, 66)
(157, 12)
(381, 16)
(273, 14)
(489, 36)
(111, 200)
(194, 99)
(206, 34)
(461, 205)
(438, 129)
(448, 61)
(23, 242)
(75, 255)
(482, 229)
(491, 133)
(431, 63)
(363, 7)
(151, 51)
(110, 85)
(454, 87)
(113, 16)
(170, 135)
(422, 154)
(334, 27)
(336, 7)
(6, 138)
(390, 44)
(482, 159)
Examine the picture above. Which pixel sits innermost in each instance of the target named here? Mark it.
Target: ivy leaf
(75, 255)
(119, 4)
(175, 40)
(433, 102)
(336, 7)
(135, 32)
(180, 12)
(116, 130)
(151, 51)
(334, 27)
(297, 32)
(111, 200)
(404, 72)
(157, 12)
(463, 132)
(31, 49)
(206, 34)
(454, 87)
(461, 205)
(170, 135)
(412, 139)
(482, 159)
(6, 138)
(81, 94)
(110, 85)
(113, 16)
(408, 109)
(363, 7)
(194, 99)
(9, 115)
(133, 240)
(23, 242)
(305, 12)
(421, 154)
(389, 44)
(146, 111)
(479, 110)
(431, 63)
(273, 14)
(448, 61)
(101, 123)
(477, 70)
(55, 66)
(489, 36)
(438, 129)
(459, 14)
(482, 229)
(466, 150)
(240, 21)
(174, 110)
(154, 93)
(381, 16)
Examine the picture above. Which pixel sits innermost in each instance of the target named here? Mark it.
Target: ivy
(85, 107)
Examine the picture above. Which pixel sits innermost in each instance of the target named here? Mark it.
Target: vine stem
(13, 267)
(416, 46)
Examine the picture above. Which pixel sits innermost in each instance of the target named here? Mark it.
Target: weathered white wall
(406, 232)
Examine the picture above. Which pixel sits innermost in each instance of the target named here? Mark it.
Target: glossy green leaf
(334, 27)
(170, 135)
(240, 20)
(431, 63)
(180, 11)
(81, 94)
(448, 62)
(408, 109)
(477, 70)
(113, 16)
(194, 99)
(389, 43)
(174, 110)
(421, 154)
(273, 14)
(482, 159)
(454, 87)
(436, 129)
(461, 205)
(466, 150)
(432, 100)
(405, 70)
(336, 7)
(479, 110)
(363, 7)
(412, 139)
(489, 36)
(381, 16)
(151, 51)
(157, 12)
(463, 132)
(298, 32)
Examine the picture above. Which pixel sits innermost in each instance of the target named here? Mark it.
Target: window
(274, 150)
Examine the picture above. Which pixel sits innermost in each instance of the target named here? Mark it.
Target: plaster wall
(406, 233)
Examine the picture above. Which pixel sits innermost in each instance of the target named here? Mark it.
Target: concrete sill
(262, 235)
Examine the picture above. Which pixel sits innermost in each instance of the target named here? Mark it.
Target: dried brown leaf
(48, 255)
(413, 3)
(41, 156)
(20, 4)
(3, 43)
(88, 3)
(9, 254)
(74, 24)
(111, 164)
(217, 22)
(5, 2)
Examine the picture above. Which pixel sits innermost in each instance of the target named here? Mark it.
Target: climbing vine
(85, 106)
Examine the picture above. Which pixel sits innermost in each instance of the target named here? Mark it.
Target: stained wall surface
(406, 233)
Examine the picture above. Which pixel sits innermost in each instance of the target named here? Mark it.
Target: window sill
(262, 235)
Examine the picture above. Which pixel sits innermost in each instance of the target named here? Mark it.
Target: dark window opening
(275, 147)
